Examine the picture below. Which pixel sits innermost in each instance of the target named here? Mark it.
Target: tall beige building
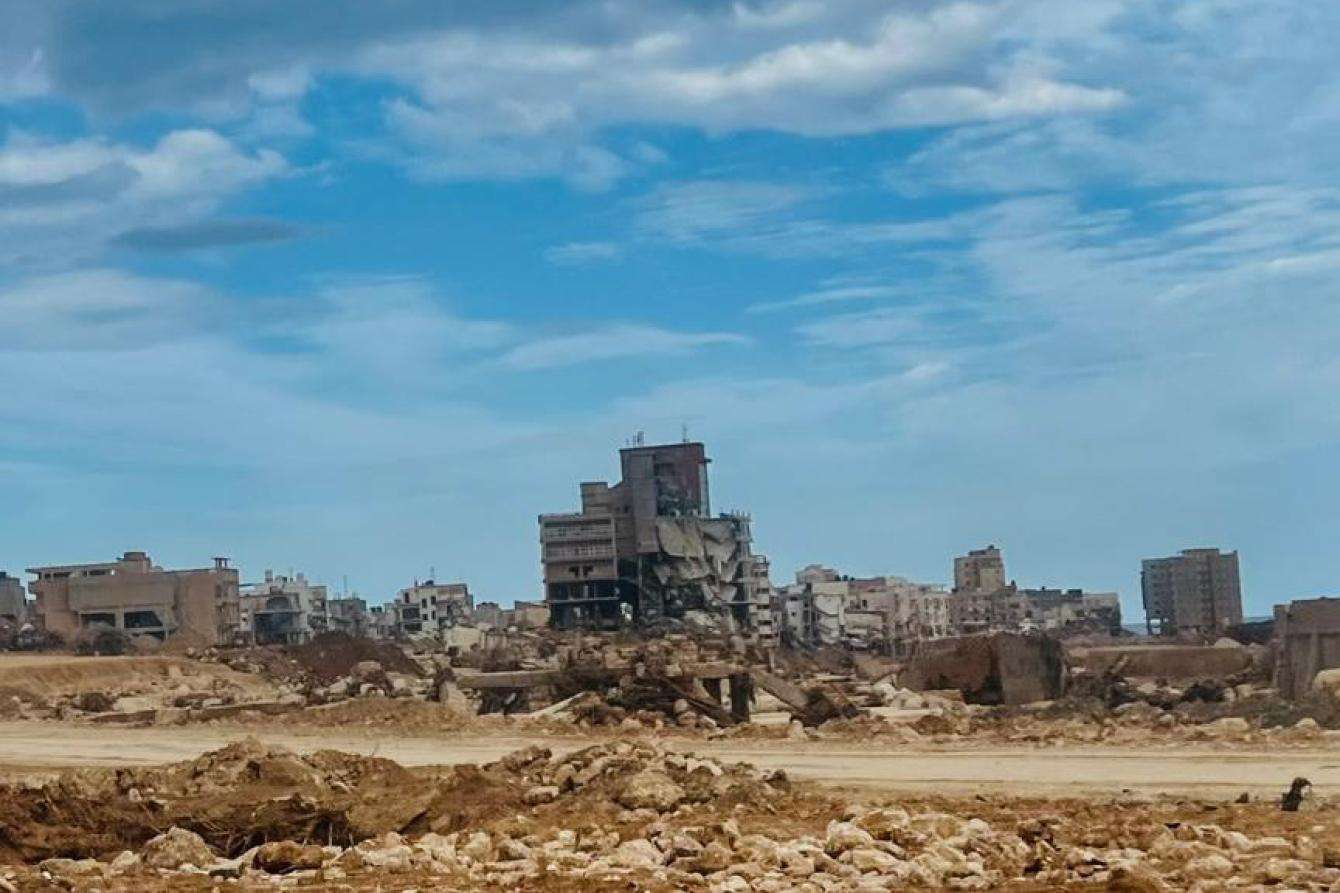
(981, 570)
(134, 595)
(1197, 591)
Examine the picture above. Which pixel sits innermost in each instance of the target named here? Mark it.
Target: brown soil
(333, 655)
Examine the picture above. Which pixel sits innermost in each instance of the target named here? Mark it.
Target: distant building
(348, 614)
(489, 615)
(284, 610)
(527, 615)
(981, 570)
(134, 595)
(762, 617)
(1072, 610)
(13, 600)
(648, 548)
(430, 607)
(1197, 591)
(382, 621)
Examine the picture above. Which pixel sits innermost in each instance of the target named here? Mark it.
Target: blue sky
(361, 289)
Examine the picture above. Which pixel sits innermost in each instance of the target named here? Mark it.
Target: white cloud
(612, 342)
(884, 326)
(62, 201)
(508, 104)
(579, 253)
(101, 310)
(836, 294)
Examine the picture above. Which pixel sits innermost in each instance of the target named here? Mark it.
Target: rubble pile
(621, 815)
(334, 655)
(131, 689)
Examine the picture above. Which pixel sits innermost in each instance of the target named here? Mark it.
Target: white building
(431, 608)
(283, 610)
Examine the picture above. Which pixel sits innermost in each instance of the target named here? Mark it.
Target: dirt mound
(400, 714)
(333, 655)
(235, 798)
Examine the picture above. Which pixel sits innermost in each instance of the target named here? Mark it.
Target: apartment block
(981, 570)
(1197, 591)
(284, 610)
(348, 614)
(134, 595)
(13, 600)
(648, 549)
(431, 608)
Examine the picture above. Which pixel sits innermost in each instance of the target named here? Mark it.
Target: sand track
(1066, 771)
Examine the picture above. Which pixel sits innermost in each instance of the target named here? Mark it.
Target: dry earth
(27, 747)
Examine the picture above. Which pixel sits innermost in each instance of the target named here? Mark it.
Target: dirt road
(27, 746)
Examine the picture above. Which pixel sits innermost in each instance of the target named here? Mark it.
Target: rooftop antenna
(640, 438)
(684, 432)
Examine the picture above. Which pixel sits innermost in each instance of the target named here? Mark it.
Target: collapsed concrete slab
(992, 668)
(1171, 662)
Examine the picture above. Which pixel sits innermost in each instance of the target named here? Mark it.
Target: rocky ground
(625, 815)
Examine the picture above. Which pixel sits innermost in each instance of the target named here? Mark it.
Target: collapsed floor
(623, 815)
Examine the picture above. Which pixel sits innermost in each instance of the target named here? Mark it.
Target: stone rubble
(629, 811)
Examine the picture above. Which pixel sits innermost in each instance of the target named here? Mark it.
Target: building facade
(648, 549)
(348, 614)
(134, 595)
(981, 570)
(13, 601)
(284, 610)
(431, 608)
(1195, 592)
(1072, 610)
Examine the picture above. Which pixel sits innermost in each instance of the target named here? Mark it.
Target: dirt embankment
(623, 815)
(41, 678)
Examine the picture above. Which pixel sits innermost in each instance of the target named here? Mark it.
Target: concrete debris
(994, 668)
(635, 816)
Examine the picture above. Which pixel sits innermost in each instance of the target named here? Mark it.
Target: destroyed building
(1307, 634)
(13, 600)
(1196, 592)
(1072, 610)
(648, 548)
(348, 614)
(134, 595)
(432, 608)
(284, 610)
(984, 600)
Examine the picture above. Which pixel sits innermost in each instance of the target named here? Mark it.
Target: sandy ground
(27, 747)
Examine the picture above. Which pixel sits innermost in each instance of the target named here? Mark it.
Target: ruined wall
(1171, 662)
(1308, 635)
(995, 668)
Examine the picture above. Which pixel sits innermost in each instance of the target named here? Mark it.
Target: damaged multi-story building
(648, 548)
(888, 613)
(134, 595)
(984, 600)
(432, 608)
(1196, 592)
(13, 600)
(284, 609)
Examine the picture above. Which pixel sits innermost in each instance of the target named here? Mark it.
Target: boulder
(177, 848)
(284, 856)
(650, 790)
(843, 836)
(542, 794)
(869, 859)
(637, 854)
